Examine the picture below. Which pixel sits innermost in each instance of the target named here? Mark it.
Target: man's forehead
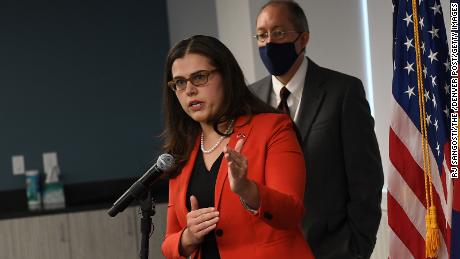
(276, 15)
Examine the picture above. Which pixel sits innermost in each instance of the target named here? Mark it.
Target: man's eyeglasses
(197, 79)
(274, 35)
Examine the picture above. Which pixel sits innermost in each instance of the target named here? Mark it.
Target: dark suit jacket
(345, 177)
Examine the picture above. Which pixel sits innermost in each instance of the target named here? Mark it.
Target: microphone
(164, 163)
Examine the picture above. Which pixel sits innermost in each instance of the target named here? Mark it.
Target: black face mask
(278, 58)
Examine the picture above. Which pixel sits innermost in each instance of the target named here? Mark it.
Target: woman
(238, 190)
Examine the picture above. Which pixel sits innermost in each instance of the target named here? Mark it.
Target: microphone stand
(148, 210)
(141, 191)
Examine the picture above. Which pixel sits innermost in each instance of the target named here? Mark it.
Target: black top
(201, 185)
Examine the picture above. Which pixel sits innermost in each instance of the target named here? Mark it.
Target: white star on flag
(436, 9)
(433, 80)
(447, 65)
(447, 88)
(427, 96)
(410, 91)
(432, 56)
(408, 43)
(428, 120)
(446, 111)
(409, 67)
(434, 101)
(408, 19)
(434, 32)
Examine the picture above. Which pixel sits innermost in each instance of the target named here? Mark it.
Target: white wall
(380, 34)
(336, 38)
(234, 19)
(187, 18)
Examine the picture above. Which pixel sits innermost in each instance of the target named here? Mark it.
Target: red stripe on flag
(409, 170)
(456, 194)
(403, 228)
(413, 175)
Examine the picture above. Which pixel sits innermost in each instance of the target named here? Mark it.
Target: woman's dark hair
(181, 131)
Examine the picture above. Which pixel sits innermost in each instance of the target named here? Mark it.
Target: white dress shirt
(295, 86)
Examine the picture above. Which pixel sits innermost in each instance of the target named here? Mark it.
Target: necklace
(229, 128)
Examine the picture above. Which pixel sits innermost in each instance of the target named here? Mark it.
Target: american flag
(407, 203)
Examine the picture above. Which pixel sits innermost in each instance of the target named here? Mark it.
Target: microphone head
(166, 162)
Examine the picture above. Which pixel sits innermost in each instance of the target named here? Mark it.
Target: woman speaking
(238, 189)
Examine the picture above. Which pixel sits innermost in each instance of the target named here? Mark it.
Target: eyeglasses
(275, 35)
(197, 79)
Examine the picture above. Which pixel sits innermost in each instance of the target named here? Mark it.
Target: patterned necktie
(283, 106)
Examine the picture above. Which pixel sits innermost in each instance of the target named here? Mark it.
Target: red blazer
(276, 165)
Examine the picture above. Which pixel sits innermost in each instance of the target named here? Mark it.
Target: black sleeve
(363, 168)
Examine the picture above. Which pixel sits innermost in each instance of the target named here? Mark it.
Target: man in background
(344, 169)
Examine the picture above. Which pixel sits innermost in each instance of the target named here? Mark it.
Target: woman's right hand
(200, 222)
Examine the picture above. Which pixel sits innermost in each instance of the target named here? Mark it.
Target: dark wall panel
(82, 78)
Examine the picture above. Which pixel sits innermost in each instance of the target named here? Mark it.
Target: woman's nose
(190, 89)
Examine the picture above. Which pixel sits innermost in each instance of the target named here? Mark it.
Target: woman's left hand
(237, 168)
